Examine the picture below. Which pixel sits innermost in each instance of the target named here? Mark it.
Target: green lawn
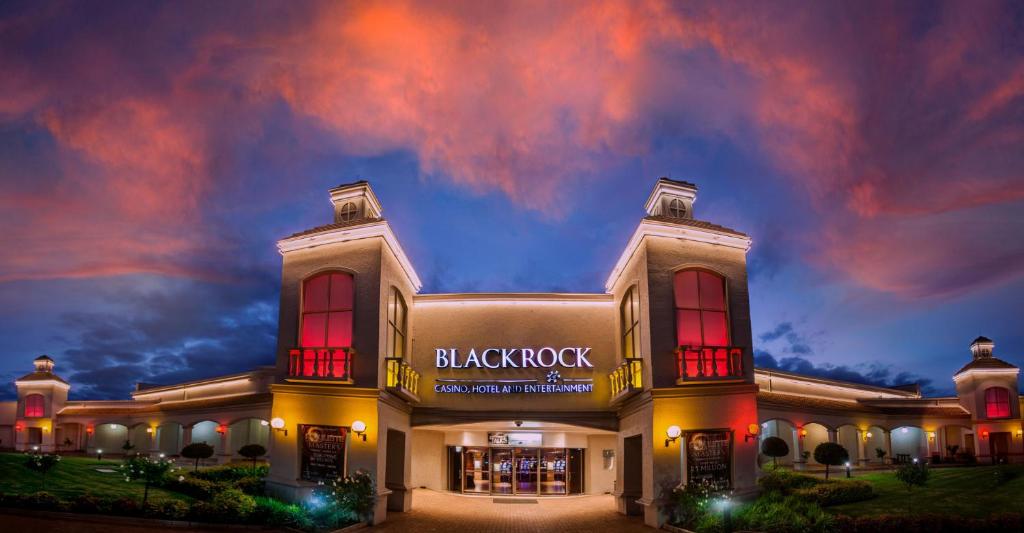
(967, 491)
(74, 476)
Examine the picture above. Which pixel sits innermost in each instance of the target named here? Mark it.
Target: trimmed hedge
(928, 523)
(837, 492)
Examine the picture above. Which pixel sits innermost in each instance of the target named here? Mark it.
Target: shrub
(251, 485)
(880, 454)
(199, 489)
(785, 481)
(837, 492)
(228, 505)
(830, 454)
(1002, 474)
(126, 506)
(197, 451)
(87, 503)
(684, 506)
(40, 500)
(774, 447)
(277, 514)
(171, 509)
(912, 474)
(150, 471)
(353, 495)
(783, 515)
(42, 463)
(231, 473)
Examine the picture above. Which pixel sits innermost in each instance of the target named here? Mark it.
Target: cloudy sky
(152, 153)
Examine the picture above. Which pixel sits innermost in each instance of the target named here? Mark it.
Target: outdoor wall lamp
(752, 431)
(89, 430)
(149, 430)
(984, 434)
(19, 427)
(867, 436)
(931, 436)
(278, 425)
(673, 433)
(1020, 433)
(803, 433)
(359, 428)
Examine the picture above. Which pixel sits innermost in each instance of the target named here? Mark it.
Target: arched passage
(109, 437)
(168, 438)
(848, 437)
(875, 441)
(248, 431)
(206, 431)
(783, 429)
(140, 437)
(816, 434)
(908, 443)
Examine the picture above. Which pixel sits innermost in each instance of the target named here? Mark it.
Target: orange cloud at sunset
(872, 119)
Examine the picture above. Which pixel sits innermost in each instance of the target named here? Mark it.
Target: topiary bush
(171, 509)
(785, 481)
(197, 451)
(774, 447)
(189, 485)
(830, 454)
(252, 452)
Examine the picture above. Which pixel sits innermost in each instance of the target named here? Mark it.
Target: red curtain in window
(327, 311)
(997, 402)
(34, 405)
(700, 309)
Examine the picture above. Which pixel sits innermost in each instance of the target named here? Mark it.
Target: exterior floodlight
(673, 433)
(359, 428)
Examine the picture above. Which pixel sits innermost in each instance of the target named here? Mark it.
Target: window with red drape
(326, 317)
(701, 317)
(997, 402)
(35, 406)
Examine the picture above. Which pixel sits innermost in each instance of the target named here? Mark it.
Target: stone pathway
(453, 513)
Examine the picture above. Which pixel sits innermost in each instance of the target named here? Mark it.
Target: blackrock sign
(549, 358)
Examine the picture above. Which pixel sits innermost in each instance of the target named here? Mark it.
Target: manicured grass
(74, 476)
(963, 491)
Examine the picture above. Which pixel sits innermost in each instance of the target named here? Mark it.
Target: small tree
(42, 463)
(353, 495)
(252, 451)
(197, 451)
(774, 447)
(150, 471)
(911, 475)
(68, 443)
(830, 454)
(880, 454)
(127, 446)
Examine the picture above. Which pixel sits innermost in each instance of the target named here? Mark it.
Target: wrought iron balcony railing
(626, 379)
(402, 379)
(324, 364)
(709, 363)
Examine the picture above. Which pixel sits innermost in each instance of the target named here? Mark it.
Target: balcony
(402, 379)
(626, 379)
(329, 365)
(709, 363)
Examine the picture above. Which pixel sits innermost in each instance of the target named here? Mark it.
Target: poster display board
(709, 458)
(322, 449)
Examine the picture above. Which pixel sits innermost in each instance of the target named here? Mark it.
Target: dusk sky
(151, 154)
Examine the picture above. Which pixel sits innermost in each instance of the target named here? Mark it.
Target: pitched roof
(678, 182)
(984, 363)
(132, 408)
(981, 339)
(892, 405)
(694, 223)
(42, 376)
(334, 226)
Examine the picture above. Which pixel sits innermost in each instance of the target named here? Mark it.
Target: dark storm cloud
(867, 373)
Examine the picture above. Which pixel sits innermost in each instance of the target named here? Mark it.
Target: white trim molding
(650, 228)
(985, 371)
(379, 229)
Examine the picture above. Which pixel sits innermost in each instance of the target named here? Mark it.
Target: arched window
(347, 212)
(629, 318)
(325, 327)
(397, 323)
(997, 402)
(676, 208)
(702, 327)
(35, 406)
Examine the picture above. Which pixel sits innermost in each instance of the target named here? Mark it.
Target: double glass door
(515, 471)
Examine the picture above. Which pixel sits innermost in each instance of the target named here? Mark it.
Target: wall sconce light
(46, 429)
(89, 430)
(264, 423)
(984, 434)
(35, 448)
(1020, 433)
(673, 433)
(359, 428)
(931, 436)
(752, 431)
(19, 427)
(222, 429)
(803, 433)
(149, 430)
(867, 436)
(278, 425)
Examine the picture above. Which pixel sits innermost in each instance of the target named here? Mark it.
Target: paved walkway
(453, 513)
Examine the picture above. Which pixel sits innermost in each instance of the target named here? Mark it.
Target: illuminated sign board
(571, 357)
(709, 458)
(515, 439)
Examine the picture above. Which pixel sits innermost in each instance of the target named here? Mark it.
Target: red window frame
(35, 406)
(997, 402)
(327, 311)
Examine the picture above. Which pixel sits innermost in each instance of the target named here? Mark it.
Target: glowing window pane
(997, 402)
(716, 332)
(315, 296)
(341, 292)
(339, 329)
(34, 405)
(686, 289)
(712, 292)
(688, 328)
(314, 329)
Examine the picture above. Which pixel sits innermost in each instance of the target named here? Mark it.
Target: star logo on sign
(554, 376)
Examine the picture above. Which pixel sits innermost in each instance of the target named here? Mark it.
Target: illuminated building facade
(648, 384)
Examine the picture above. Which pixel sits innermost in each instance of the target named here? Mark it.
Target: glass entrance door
(476, 464)
(552, 472)
(501, 471)
(527, 466)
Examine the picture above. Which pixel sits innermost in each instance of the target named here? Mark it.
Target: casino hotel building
(646, 385)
